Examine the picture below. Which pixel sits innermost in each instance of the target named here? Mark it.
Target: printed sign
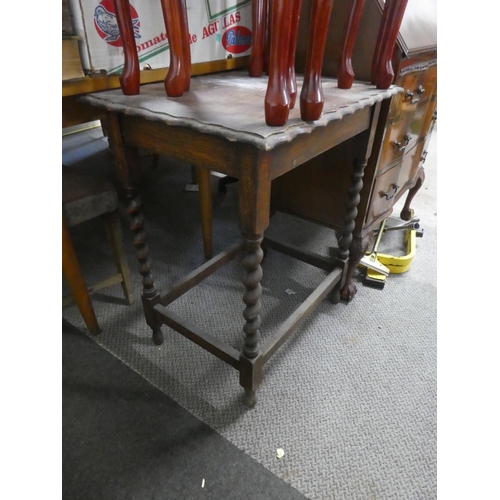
(218, 29)
(237, 40)
(106, 24)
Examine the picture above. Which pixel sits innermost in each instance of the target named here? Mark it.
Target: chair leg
(256, 61)
(311, 95)
(277, 99)
(177, 80)
(130, 76)
(203, 176)
(115, 237)
(73, 275)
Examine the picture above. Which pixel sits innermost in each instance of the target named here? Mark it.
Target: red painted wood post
(291, 79)
(175, 81)
(385, 72)
(277, 100)
(256, 62)
(345, 73)
(311, 97)
(130, 77)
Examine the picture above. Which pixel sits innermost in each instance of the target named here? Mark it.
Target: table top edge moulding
(231, 105)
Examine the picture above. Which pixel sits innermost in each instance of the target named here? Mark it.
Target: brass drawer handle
(391, 193)
(399, 146)
(423, 157)
(419, 91)
(409, 94)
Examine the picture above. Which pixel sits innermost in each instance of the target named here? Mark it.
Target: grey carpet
(351, 397)
(124, 439)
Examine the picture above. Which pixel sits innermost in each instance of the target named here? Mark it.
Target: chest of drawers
(407, 127)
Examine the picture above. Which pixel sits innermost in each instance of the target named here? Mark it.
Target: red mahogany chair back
(282, 17)
(275, 25)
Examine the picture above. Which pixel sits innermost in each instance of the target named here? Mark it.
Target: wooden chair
(274, 55)
(85, 198)
(277, 53)
(282, 17)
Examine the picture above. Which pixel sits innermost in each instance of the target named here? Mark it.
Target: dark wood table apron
(219, 125)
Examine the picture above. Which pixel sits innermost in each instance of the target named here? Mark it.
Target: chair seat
(85, 197)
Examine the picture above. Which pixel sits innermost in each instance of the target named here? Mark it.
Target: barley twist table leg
(134, 209)
(251, 298)
(348, 290)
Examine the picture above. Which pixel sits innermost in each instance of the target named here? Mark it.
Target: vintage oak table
(219, 125)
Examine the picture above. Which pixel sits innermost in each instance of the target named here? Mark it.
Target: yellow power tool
(380, 265)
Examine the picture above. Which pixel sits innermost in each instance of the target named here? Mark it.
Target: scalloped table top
(231, 105)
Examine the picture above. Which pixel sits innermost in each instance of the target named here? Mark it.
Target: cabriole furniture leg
(277, 99)
(407, 211)
(311, 96)
(178, 76)
(130, 77)
(345, 73)
(390, 29)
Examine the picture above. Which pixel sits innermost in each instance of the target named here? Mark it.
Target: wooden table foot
(249, 399)
(157, 336)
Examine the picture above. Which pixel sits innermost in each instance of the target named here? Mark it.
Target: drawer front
(429, 83)
(385, 191)
(392, 184)
(400, 135)
(409, 166)
(398, 138)
(426, 103)
(409, 114)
